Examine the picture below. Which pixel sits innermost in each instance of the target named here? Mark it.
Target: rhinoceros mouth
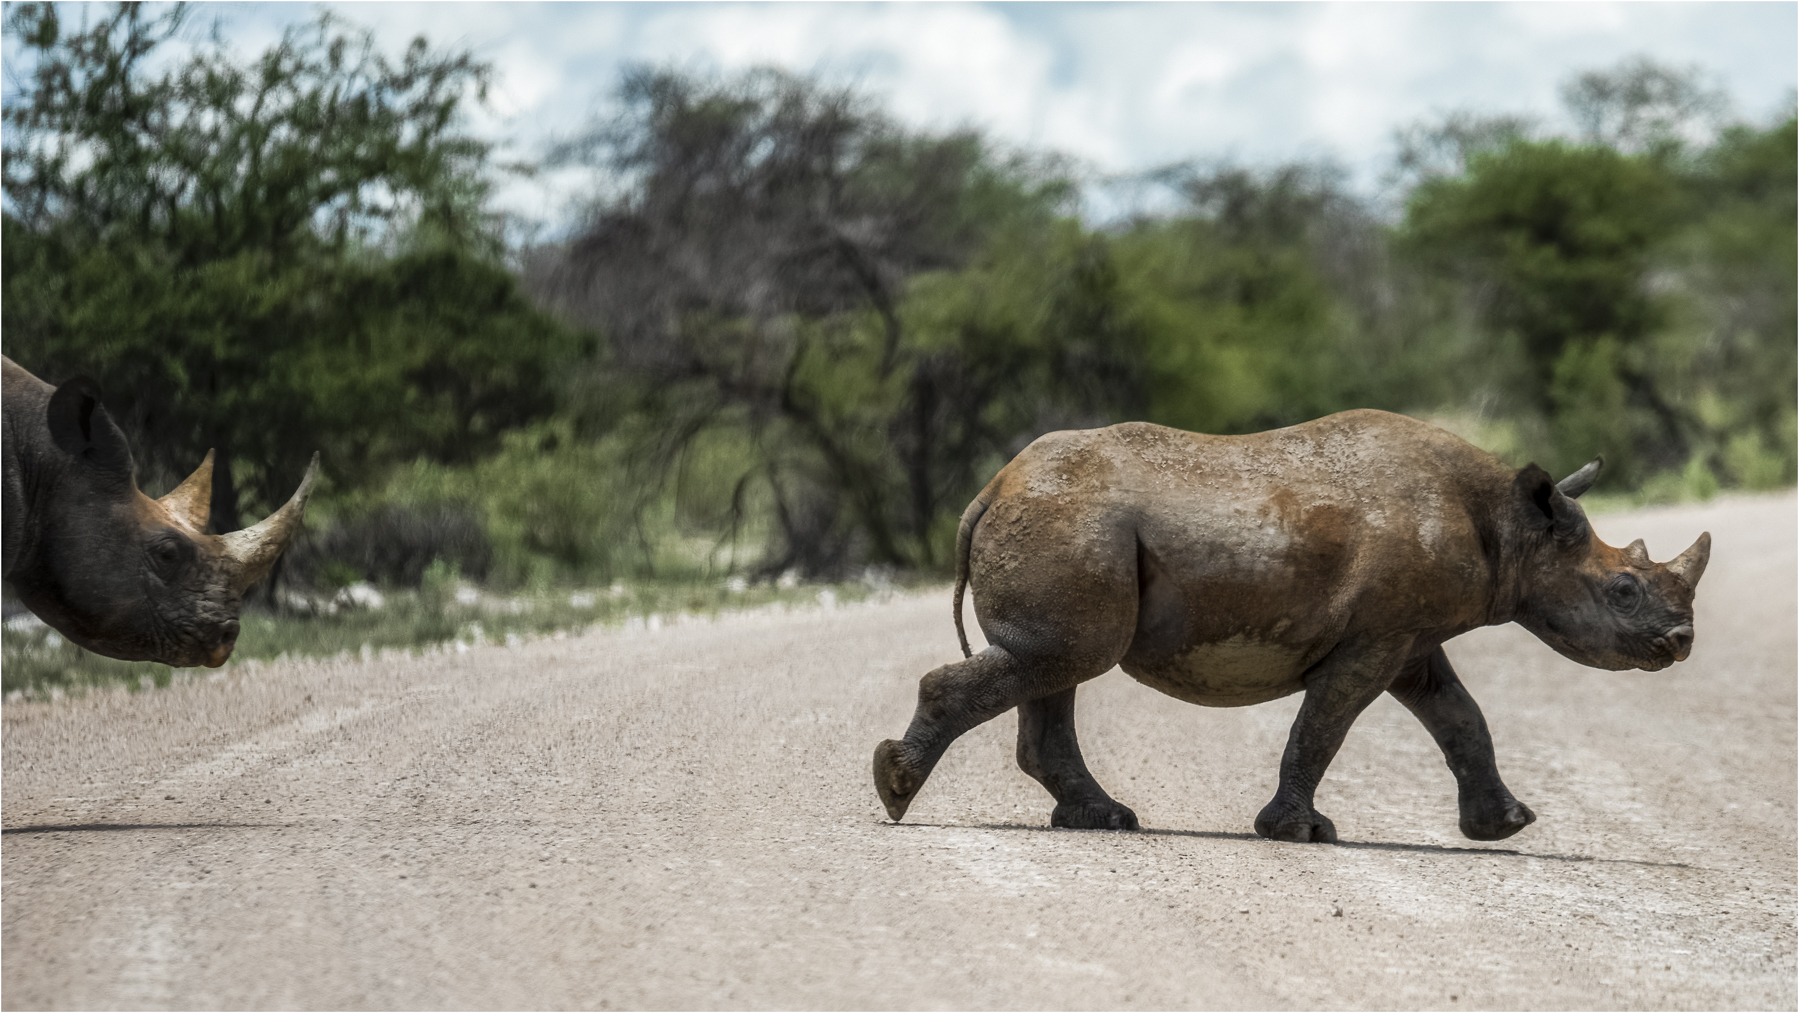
(210, 646)
(220, 652)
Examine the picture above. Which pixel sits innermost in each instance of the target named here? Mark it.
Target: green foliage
(1752, 464)
(1241, 329)
(267, 257)
(1732, 269)
(791, 334)
(1648, 284)
(1561, 232)
(547, 500)
(1592, 415)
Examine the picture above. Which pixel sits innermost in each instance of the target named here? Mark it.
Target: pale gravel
(684, 818)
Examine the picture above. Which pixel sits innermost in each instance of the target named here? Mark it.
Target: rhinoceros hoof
(1301, 827)
(1498, 824)
(894, 780)
(1106, 815)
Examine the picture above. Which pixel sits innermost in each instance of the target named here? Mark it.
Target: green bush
(1752, 464)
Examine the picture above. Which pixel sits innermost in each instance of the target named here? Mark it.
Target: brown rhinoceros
(113, 570)
(1333, 558)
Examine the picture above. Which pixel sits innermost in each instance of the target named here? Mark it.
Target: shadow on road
(53, 828)
(1424, 849)
(1445, 849)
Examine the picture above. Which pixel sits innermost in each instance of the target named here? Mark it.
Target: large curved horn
(1582, 480)
(254, 550)
(1690, 565)
(191, 501)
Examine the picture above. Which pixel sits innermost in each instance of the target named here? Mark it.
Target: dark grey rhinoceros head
(1601, 606)
(132, 577)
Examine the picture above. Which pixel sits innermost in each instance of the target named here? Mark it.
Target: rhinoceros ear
(80, 426)
(1582, 480)
(1544, 507)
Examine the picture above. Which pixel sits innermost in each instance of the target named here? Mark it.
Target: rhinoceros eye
(168, 554)
(1624, 593)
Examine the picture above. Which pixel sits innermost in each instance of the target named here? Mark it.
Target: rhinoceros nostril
(1680, 639)
(228, 631)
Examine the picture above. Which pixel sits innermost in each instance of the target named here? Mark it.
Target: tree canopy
(265, 257)
(789, 332)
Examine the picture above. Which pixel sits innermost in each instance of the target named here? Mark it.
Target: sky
(1121, 87)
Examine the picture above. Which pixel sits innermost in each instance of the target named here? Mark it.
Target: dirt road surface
(684, 818)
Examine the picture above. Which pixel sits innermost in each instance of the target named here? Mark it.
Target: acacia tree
(755, 265)
(1598, 257)
(263, 257)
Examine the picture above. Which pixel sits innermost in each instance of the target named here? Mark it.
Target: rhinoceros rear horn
(1690, 565)
(1582, 480)
(191, 501)
(254, 550)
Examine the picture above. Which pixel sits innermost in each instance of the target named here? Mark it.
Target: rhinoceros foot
(1279, 822)
(895, 781)
(1496, 819)
(1099, 815)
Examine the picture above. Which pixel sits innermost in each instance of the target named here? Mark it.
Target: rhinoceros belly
(1228, 673)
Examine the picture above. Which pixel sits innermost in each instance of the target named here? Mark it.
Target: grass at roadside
(38, 663)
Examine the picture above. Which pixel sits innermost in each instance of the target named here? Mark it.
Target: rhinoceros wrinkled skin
(1332, 558)
(113, 570)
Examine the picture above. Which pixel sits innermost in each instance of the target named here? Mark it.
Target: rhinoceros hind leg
(1049, 751)
(1279, 822)
(894, 781)
(958, 696)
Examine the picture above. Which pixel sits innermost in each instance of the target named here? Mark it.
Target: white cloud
(1121, 86)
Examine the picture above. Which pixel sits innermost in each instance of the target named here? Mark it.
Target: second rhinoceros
(1332, 558)
(113, 570)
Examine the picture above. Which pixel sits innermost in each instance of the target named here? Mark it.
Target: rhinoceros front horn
(191, 501)
(1690, 565)
(254, 550)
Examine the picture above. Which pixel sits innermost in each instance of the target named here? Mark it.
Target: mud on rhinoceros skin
(113, 570)
(1332, 558)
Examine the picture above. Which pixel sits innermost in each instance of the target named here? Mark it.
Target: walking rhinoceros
(1332, 558)
(113, 570)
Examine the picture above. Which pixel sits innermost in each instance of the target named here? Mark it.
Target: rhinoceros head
(132, 577)
(1596, 604)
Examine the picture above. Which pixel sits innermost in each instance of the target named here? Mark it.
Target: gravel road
(684, 818)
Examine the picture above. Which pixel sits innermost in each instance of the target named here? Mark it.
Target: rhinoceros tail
(964, 538)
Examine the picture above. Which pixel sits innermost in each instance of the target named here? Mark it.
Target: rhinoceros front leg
(1049, 752)
(1429, 688)
(1338, 689)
